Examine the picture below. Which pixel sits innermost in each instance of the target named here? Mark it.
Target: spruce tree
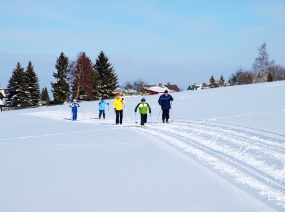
(189, 88)
(222, 81)
(45, 95)
(33, 84)
(95, 78)
(233, 79)
(61, 89)
(107, 78)
(18, 86)
(212, 82)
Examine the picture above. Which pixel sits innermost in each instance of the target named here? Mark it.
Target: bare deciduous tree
(128, 85)
(138, 84)
(261, 65)
(82, 72)
(277, 72)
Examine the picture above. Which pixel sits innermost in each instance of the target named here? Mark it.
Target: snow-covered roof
(159, 89)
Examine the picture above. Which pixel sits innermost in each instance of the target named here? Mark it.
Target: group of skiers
(164, 101)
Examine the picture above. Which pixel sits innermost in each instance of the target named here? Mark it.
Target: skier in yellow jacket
(118, 105)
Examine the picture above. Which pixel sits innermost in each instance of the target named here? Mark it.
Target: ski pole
(108, 111)
(171, 111)
(71, 111)
(136, 117)
(158, 115)
(127, 115)
(82, 113)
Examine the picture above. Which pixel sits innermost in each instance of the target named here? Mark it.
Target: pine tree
(233, 79)
(95, 78)
(33, 84)
(61, 90)
(229, 81)
(18, 86)
(189, 88)
(212, 82)
(222, 81)
(107, 78)
(45, 95)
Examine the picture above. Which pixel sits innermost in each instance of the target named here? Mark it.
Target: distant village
(160, 88)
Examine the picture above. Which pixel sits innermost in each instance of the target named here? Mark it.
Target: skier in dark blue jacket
(164, 101)
(74, 107)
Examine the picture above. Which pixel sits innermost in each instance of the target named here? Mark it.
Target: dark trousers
(143, 119)
(101, 112)
(165, 114)
(119, 116)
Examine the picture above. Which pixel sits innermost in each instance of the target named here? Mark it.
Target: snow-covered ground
(224, 150)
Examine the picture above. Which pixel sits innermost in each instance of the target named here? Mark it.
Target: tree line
(82, 79)
(78, 79)
(263, 70)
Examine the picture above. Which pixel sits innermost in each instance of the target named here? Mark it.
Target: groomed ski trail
(253, 159)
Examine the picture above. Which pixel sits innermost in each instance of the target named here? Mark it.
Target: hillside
(224, 150)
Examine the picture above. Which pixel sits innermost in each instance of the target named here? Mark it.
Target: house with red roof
(159, 89)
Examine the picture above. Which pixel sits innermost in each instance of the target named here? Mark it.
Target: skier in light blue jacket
(102, 105)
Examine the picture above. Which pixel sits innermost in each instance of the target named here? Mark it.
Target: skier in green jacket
(143, 107)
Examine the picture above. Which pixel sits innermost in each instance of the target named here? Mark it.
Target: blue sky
(181, 42)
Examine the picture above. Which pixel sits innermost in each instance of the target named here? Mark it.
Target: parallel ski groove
(257, 174)
(199, 136)
(241, 136)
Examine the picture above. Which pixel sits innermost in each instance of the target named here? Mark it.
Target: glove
(122, 98)
(135, 110)
(114, 108)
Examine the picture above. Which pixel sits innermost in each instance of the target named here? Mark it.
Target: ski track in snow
(251, 156)
(252, 159)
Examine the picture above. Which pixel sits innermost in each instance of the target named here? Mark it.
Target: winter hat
(166, 91)
(143, 100)
(102, 99)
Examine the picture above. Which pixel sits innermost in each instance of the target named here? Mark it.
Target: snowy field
(224, 150)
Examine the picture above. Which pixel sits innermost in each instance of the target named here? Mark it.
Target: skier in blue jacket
(74, 107)
(102, 105)
(164, 101)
